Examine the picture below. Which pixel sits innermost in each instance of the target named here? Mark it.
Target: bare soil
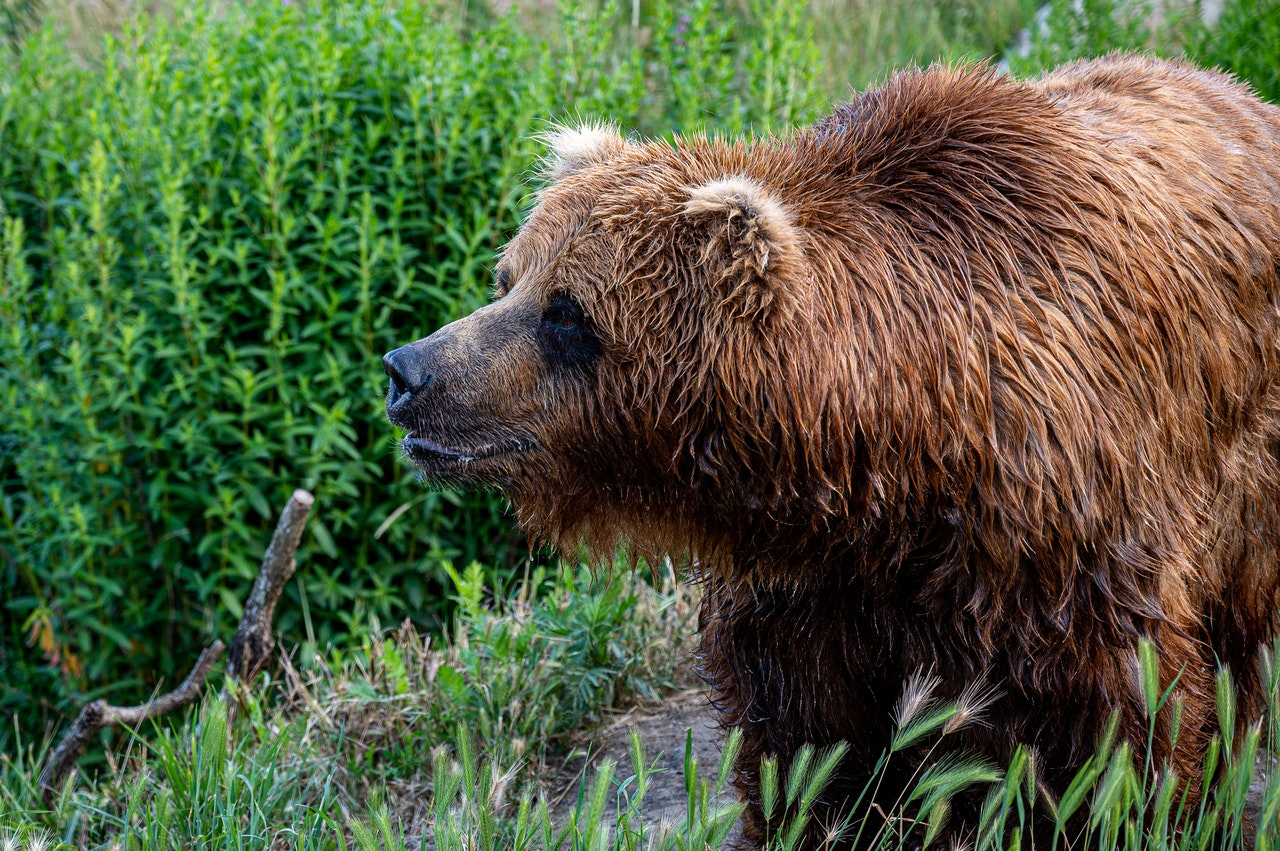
(664, 730)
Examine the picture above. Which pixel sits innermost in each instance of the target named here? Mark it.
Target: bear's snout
(459, 399)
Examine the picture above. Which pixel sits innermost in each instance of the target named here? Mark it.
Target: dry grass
(83, 23)
(861, 41)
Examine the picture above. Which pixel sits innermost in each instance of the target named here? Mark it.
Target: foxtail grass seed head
(976, 698)
(1148, 672)
(1226, 695)
(728, 757)
(937, 820)
(769, 787)
(917, 694)
(836, 830)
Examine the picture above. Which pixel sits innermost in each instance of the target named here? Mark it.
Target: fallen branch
(252, 645)
(101, 714)
(250, 650)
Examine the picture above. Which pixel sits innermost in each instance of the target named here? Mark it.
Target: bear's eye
(563, 315)
(566, 336)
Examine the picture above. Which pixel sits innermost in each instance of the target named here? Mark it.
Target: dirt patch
(664, 731)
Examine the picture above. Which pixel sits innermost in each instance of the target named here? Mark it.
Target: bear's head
(639, 373)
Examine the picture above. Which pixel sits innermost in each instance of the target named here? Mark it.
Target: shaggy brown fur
(975, 376)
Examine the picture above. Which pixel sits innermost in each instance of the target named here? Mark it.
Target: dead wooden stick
(101, 714)
(253, 642)
(249, 651)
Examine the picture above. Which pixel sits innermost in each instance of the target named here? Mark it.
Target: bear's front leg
(790, 668)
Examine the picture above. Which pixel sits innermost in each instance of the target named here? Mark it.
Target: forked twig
(250, 650)
(101, 714)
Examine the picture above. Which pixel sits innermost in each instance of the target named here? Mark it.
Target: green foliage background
(208, 242)
(210, 229)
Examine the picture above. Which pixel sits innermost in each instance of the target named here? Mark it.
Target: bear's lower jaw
(443, 463)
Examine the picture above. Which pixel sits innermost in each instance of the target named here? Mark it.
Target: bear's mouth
(435, 457)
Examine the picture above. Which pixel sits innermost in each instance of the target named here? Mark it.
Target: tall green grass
(862, 41)
(280, 777)
(1120, 800)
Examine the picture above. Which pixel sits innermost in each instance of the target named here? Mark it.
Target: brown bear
(975, 376)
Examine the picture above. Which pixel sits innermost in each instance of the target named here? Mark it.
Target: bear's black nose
(407, 371)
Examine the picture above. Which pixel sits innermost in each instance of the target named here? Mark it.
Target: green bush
(208, 242)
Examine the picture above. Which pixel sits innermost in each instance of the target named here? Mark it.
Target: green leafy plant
(520, 673)
(208, 240)
(1245, 39)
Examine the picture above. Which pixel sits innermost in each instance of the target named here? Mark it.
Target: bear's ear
(571, 149)
(752, 247)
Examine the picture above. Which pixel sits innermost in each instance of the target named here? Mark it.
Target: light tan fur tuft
(571, 149)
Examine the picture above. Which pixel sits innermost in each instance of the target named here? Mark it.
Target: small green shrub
(206, 244)
(519, 673)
